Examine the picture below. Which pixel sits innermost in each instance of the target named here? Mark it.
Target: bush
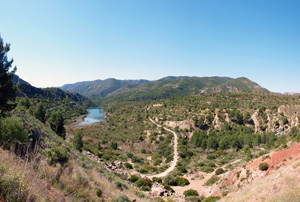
(145, 188)
(11, 129)
(194, 198)
(171, 180)
(58, 155)
(207, 169)
(181, 181)
(122, 198)
(212, 156)
(128, 165)
(121, 185)
(190, 192)
(143, 150)
(98, 192)
(133, 178)
(219, 171)
(211, 180)
(211, 199)
(158, 199)
(113, 145)
(157, 179)
(176, 181)
(263, 166)
(168, 187)
(143, 182)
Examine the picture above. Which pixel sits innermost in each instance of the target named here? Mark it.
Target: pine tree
(56, 122)
(40, 112)
(77, 141)
(7, 89)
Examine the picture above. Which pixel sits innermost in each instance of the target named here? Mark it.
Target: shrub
(12, 129)
(58, 155)
(212, 156)
(133, 178)
(211, 180)
(157, 162)
(143, 182)
(171, 180)
(128, 165)
(113, 145)
(98, 192)
(219, 171)
(207, 169)
(121, 185)
(80, 180)
(143, 150)
(122, 198)
(157, 179)
(263, 166)
(145, 188)
(158, 199)
(181, 181)
(211, 199)
(190, 192)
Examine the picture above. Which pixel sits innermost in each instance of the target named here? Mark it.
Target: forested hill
(53, 95)
(53, 99)
(100, 88)
(112, 89)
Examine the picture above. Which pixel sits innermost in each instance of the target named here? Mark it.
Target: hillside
(99, 88)
(113, 90)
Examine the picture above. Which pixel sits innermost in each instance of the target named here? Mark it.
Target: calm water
(94, 116)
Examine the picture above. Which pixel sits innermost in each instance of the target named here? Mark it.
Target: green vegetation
(176, 181)
(77, 141)
(7, 90)
(111, 90)
(212, 199)
(56, 122)
(212, 180)
(263, 166)
(190, 192)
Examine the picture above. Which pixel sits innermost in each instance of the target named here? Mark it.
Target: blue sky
(57, 42)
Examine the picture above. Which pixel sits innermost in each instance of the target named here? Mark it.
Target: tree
(7, 89)
(40, 112)
(77, 141)
(56, 122)
(24, 102)
(247, 117)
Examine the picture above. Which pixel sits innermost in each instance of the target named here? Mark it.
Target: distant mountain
(241, 84)
(291, 93)
(100, 88)
(112, 89)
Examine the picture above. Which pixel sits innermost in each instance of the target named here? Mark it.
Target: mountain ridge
(170, 86)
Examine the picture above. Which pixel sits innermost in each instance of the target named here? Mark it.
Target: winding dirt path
(175, 158)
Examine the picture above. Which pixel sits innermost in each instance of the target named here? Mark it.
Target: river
(95, 115)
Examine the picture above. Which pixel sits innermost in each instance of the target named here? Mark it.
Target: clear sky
(54, 42)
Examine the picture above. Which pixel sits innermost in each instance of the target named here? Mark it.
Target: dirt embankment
(277, 159)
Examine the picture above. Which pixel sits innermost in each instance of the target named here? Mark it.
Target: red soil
(279, 158)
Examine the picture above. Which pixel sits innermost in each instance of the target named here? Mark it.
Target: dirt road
(175, 158)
